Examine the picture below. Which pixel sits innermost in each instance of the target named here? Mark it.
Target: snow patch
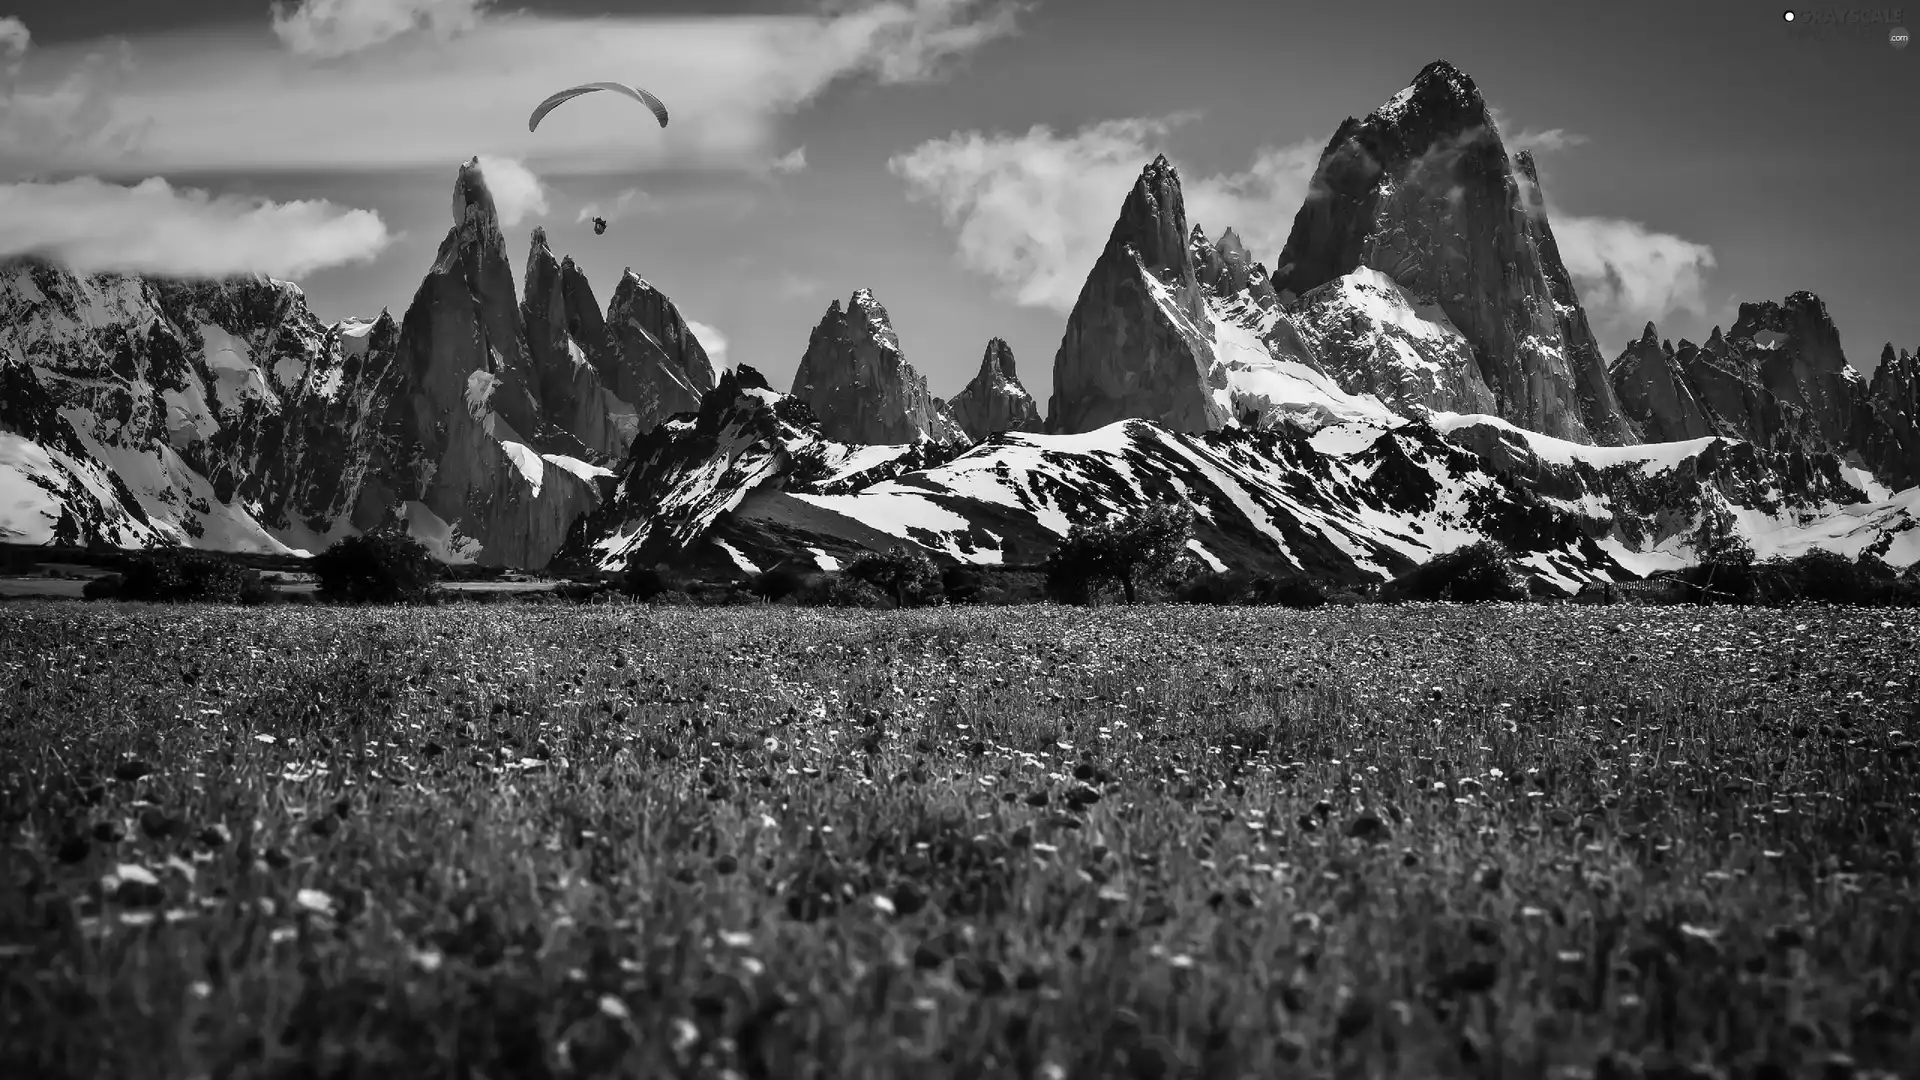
(739, 558)
(526, 459)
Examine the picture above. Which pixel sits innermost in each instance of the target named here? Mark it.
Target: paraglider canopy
(599, 225)
(564, 96)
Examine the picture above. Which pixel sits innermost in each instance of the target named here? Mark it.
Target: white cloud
(1033, 211)
(218, 102)
(332, 28)
(1629, 275)
(70, 109)
(517, 193)
(790, 162)
(14, 38)
(711, 340)
(1551, 140)
(154, 227)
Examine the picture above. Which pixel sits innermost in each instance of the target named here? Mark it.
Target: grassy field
(510, 841)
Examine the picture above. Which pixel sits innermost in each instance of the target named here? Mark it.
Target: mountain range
(1416, 372)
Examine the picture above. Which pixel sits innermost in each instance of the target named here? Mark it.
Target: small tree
(904, 573)
(376, 568)
(1726, 569)
(1122, 551)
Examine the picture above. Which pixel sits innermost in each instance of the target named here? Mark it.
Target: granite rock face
(1600, 408)
(565, 330)
(649, 358)
(1780, 380)
(1139, 341)
(463, 457)
(995, 401)
(1656, 392)
(1893, 432)
(859, 384)
(1423, 191)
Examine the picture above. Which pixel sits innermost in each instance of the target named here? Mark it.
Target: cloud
(911, 41)
(333, 28)
(1629, 275)
(790, 162)
(41, 118)
(154, 227)
(1551, 140)
(230, 102)
(517, 193)
(14, 38)
(792, 286)
(1033, 211)
(712, 340)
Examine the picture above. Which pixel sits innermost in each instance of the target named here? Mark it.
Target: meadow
(1168, 841)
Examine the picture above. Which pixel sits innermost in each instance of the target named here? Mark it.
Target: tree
(376, 568)
(1727, 562)
(1120, 551)
(904, 573)
(178, 575)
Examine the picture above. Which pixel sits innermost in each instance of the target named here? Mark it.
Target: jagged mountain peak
(878, 325)
(1153, 222)
(860, 386)
(999, 358)
(472, 199)
(1441, 101)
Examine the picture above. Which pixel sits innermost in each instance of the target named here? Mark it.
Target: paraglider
(564, 96)
(599, 226)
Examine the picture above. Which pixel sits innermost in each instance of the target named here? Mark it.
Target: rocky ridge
(859, 384)
(1423, 191)
(995, 401)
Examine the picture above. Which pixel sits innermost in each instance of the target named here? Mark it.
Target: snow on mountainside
(223, 414)
(750, 482)
(141, 411)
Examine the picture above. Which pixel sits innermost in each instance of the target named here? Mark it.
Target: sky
(964, 159)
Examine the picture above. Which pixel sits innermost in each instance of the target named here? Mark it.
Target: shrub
(103, 588)
(1123, 551)
(1825, 577)
(904, 573)
(841, 589)
(376, 568)
(962, 584)
(1481, 572)
(1290, 592)
(1214, 587)
(644, 581)
(780, 581)
(177, 575)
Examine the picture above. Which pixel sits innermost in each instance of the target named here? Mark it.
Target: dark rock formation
(861, 387)
(1139, 340)
(1599, 407)
(457, 457)
(564, 331)
(650, 359)
(1656, 393)
(1893, 433)
(995, 401)
(1224, 268)
(1423, 191)
(1796, 350)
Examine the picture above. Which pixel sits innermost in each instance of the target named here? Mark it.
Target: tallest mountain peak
(471, 197)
